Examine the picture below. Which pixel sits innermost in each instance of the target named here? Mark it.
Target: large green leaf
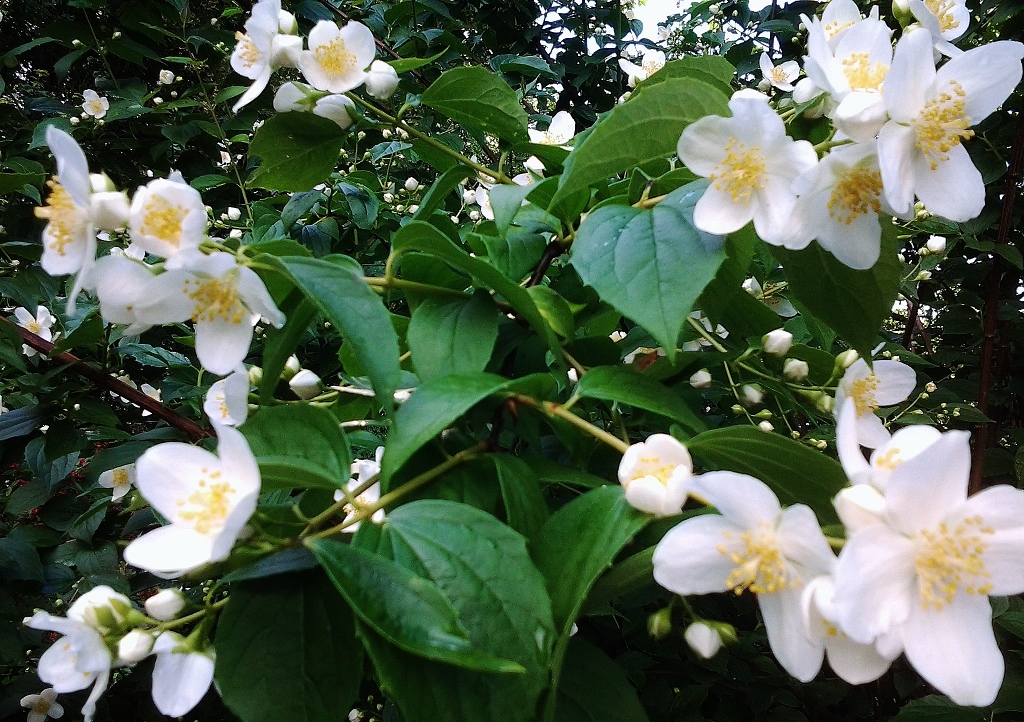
(595, 689)
(525, 507)
(711, 69)
(853, 303)
(619, 383)
(335, 284)
(453, 335)
(643, 129)
(299, 150)
(796, 473)
(405, 609)
(286, 650)
(480, 100)
(651, 265)
(280, 343)
(484, 570)
(298, 446)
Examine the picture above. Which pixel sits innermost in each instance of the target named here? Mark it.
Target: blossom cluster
(900, 124)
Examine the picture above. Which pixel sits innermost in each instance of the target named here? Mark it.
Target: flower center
(778, 74)
(862, 74)
(948, 560)
(889, 460)
(210, 504)
(65, 218)
(216, 298)
(248, 53)
(42, 707)
(163, 220)
(651, 66)
(741, 172)
(654, 466)
(943, 10)
(760, 566)
(549, 138)
(863, 393)
(94, 107)
(942, 124)
(335, 58)
(855, 193)
(120, 477)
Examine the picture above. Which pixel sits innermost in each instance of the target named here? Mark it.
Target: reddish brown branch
(908, 332)
(983, 438)
(108, 382)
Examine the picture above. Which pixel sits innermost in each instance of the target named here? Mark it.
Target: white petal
(259, 84)
(716, 212)
(687, 560)
(859, 506)
(787, 635)
(896, 155)
(801, 541)
(855, 663)
(743, 500)
(909, 82)
(222, 344)
(170, 551)
(702, 144)
(896, 381)
(180, 680)
(988, 74)
(923, 491)
(72, 167)
(168, 473)
(648, 495)
(954, 189)
(255, 296)
(870, 431)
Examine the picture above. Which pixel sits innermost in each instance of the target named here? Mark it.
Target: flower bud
(474, 215)
(777, 342)
(74, 120)
(388, 198)
(286, 23)
(411, 184)
(930, 387)
(382, 81)
(795, 369)
(336, 108)
(659, 624)
(165, 605)
(166, 77)
(703, 639)
(825, 403)
(134, 647)
(305, 384)
(109, 210)
(413, 208)
(750, 395)
(234, 213)
(764, 85)
(469, 196)
(763, 414)
(291, 367)
(158, 100)
(736, 409)
(255, 376)
(847, 358)
(701, 379)
(766, 426)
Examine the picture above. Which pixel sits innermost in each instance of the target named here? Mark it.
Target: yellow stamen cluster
(163, 220)
(760, 566)
(949, 560)
(862, 74)
(889, 460)
(211, 504)
(216, 298)
(741, 172)
(653, 466)
(943, 10)
(858, 191)
(863, 393)
(247, 50)
(651, 66)
(834, 28)
(120, 477)
(335, 58)
(779, 74)
(64, 216)
(942, 124)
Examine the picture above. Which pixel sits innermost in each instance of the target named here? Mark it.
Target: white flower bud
(165, 605)
(134, 647)
(936, 244)
(469, 196)
(923, 276)
(166, 77)
(234, 213)
(411, 184)
(389, 198)
(930, 387)
(474, 215)
(305, 384)
(336, 108)
(76, 43)
(795, 369)
(847, 358)
(109, 210)
(382, 81)
(413, 208)
(777, 342)
(714, 9)
(700, 379)
(115, 35)
(825, 404)
(158, 100)
(704, 640)
(766, 426)
(286, 23)
(235, 233)
(750, 395)
(74, 120)
(291, 367)
(764, 85)
(454, 218)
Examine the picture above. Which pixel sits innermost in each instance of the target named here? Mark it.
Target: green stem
(699, 328)
(195, 616)
(559, 410)
(339, 506)
(398, 283)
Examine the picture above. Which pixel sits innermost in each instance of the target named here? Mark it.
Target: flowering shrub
(632, 408)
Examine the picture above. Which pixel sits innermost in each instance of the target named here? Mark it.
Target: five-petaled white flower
(751, 164)
(753, 545)
(42, 705)
(40, 325)
(885, 383)
(268, 43)
(924, 574)
(227, 401)
(920, 148)
(780, 76)
(181, 675)
(94, 104)
(206, 498)
(338, 58)
(120, 480)
(946, 20)
(561, 130)
(656, 474)
(838, 17)
(362, 471)
(652, 62)
(168, 219)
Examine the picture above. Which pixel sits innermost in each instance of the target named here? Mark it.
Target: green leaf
(441, 188)
(796, 473)
(50, 471)
(525, 507)
(363, 205)
(19, 560)
(335, 284)
(299, 151)
(484, 570)
(643, 129)
(853, 303)
(554, 309)
(387, 148)
(934, 708)
(651, 265)
(403, 65)
(595, 689)
(286, 650)
(619, 383)
(452, 335)
(714, 70)
(480, 100)
(299, 446)
(628, 576)
(405, 609)
(16, 181)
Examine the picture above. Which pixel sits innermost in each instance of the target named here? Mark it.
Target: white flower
(166, 77)
(483, 199)
(181, 675)
(840, 199)
(700, 379)
(886, 384)
(134, 647)
(382, 80)
(165, 605)
(94, 104)
(42, 705)
(122, 284)
(655, 475)
(936, 244)
(925, 573)
(652, 62)
(795, 369)
(839, 16)
(781, 76)
(920, 149)
(753, 545)
(305, 384)
(336, 108)
(783, 307)
(338, 58)
(168, 219)
(946, 20)
(223, 299)
(411, 184)
(362, 471)
(40, 324)
(751, 164)
(120, 480)
(234, 213)
(227, 401)
(561, 130)
(704, 640)
(206, 498)
(262, 48)
(777, 342)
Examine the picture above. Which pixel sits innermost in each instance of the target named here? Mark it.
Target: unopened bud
(766, 426)
(795, 369)
(923, 276)
(255, 376)
(764, 414)
(165, 605)
(234, 213)
(701, 379)
(736, 409)
(291, 367)
(411, 184)
(777, 342)
(750, 395)
(659, 624)
(847, 358)
(703, 639)
(134, 647)
(930, 387)
(305, 384)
